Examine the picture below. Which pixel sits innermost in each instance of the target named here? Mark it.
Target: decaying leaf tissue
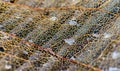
(59, 35)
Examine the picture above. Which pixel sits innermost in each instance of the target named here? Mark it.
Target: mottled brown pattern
(59, 35)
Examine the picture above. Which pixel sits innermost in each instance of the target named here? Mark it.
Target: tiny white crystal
(53, 18)
(18, 17)
(114, 69)
(70, 41)
(115, 55)
(95, 35)
(30, 18)
(8, 66)
(75, 1)
(107, 35)
(72, 22)
(30, 41)
(1, 26)
(46, 65)
(72, 58)
(25, 52)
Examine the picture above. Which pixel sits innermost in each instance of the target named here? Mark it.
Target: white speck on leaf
(30, 18)
(70, 41)
(72, 22)
(8, 66)
(95, 35)
(1, 26)
(53, 18)
(107, 35)
(18, 17)
(115, 55)
(30, 41)
(46, 65)
(72, 58)
(114, 69)
(75, 1)
(25, 52)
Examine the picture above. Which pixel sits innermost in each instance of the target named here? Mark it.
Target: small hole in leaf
(1, 49)
(12, 1)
